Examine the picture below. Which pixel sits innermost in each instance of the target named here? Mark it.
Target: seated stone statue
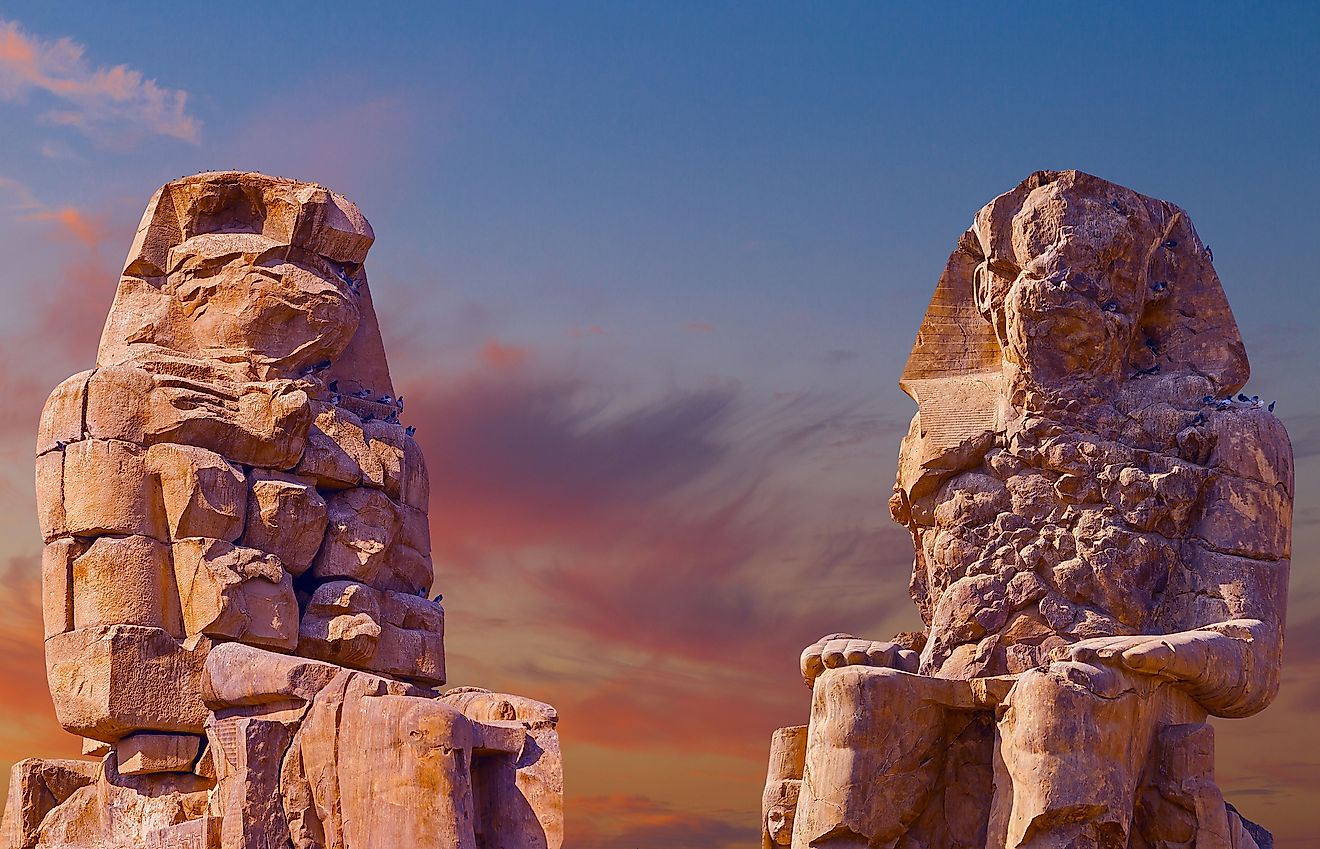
(237, 564)
(1102, 532)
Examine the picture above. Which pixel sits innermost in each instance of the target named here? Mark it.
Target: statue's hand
(838, 650)
(1187, 656)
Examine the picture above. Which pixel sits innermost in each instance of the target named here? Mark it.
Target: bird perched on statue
(410, 430)
(362, 393)
(398, 402)
(1271, 406)
(386, 398)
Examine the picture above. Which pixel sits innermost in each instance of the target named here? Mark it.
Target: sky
(647, 275)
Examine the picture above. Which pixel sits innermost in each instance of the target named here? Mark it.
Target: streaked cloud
(114, 106)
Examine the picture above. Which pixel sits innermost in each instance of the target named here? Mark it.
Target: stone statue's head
(1066, 289)
(779, 806)
(1087, 284)
(260, 273)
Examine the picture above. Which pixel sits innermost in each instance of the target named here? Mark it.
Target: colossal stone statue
(1102, 531)
(237, 564)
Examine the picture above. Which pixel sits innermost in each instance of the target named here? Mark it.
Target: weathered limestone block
(230, 592)
(138, 754)
(57, 583)
(247, 798)
(36, 787)
(125, 580)
(383, 632)
(112, 680)
(118, 809)
(106, 489)
(62, 416)
(363, 524)
(203, 494)
(415, 486)
(286, 518)
(260, 424)
(336, 448)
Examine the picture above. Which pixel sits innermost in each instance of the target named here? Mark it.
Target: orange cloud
(700, 327)
(621, 821)
(493, 353)
(87, 229)
(115, 105)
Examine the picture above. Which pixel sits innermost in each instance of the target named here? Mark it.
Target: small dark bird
(1209, 253)
(1159, 286)
(1271, 406)
(1207, 399)
(439, 597)
(362, 393)
(387, 398)
(60, 444)
(410, 430)
(1242, 396)
(334, 386)
(392, 418)
(336, 398)
(398, 402)
(1255, 399)
(1224, 404)
(1111, 306)
(1171, 244)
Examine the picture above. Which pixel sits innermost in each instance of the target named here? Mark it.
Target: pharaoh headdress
(955, 371)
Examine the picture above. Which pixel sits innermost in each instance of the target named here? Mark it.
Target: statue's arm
(1226, 609)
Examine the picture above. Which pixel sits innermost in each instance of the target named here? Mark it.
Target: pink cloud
(115, 106)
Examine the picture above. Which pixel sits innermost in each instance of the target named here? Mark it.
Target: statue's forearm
(1239, 676)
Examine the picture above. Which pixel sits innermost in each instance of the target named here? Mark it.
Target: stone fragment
(203, 494)
(231, 592)
(286, 518)
(139, 754)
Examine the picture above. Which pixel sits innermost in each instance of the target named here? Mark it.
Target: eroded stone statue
(237, 564)
(1102, 529)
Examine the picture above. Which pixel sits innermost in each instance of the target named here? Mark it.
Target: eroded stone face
(1101, 528)
(234, 472)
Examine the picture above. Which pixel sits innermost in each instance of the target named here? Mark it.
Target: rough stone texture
(238, 560)
(1101, 525)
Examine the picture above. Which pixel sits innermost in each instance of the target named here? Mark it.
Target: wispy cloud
(115, 106)
(623, 822)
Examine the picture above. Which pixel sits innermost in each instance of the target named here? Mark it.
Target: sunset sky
(647, 275)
